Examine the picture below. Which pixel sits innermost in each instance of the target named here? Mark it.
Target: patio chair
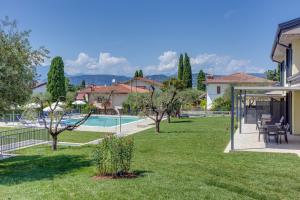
(261, 131)
(272, 131)
(258, 123)
(280, 123)
(284, 132)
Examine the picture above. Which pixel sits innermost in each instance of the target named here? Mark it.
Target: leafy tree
(184, 97)
(18, 60)
(187, 72)
(82, 84)
(56, 79)
(221, 104)
(136, 74)
(178, 84)
(176, 104)
(273, 75)
(105, 101)
(141, 73)
(180, 67)
(69, 87)
(53, 126)
(155, 104)
(200, 81)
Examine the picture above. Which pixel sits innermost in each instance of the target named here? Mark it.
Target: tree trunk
(169, 118)
(54, 143)
(157, 128)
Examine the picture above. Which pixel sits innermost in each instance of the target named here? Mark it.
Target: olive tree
(53, 123)
(18, 60)
(156, 103)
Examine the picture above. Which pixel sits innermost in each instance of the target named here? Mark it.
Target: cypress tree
(136, 74)
(82, 85)
(187, 72)
(200, 80)
(56, 79)
(141, 73)
(180, 67)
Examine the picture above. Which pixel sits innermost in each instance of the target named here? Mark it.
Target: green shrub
(113, 156)
(221, 104)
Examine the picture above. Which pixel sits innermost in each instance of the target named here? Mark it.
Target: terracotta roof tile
(146, 80)
(238, 78)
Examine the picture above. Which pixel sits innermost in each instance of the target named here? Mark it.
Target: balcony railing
(294, 79)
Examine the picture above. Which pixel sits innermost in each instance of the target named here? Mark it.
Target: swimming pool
(105, 121)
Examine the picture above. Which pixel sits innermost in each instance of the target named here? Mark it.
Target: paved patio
(248, 141)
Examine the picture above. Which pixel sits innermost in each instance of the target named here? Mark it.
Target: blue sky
(117, 37)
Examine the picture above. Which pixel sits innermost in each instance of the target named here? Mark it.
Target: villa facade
(217, 86)
(107, 97)
(144, 83)
(286, 52)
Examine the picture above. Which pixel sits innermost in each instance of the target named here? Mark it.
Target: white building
(144, 83)
(107, 97)
(217, 86)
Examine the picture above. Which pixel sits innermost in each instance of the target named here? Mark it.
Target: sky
(117, 37)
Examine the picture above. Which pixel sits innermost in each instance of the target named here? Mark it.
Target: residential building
(108, 97)
(286, 52)
(217, 86)
(144, 83)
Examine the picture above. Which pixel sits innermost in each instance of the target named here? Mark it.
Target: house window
(289, 61)
(218, 90)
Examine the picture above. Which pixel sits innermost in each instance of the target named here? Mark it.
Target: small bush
(113, 156)
(221, 104)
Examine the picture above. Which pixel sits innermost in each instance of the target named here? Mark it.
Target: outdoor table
(272, 128)
(265, 118)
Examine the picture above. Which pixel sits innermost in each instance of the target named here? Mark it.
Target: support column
(240, 111)
(245, 114)
(232, 119)
(237, 107)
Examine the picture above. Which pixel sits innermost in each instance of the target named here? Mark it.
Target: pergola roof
(266, 88)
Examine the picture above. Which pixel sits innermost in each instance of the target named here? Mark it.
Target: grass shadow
(181, 121)
(141, 173)
(32, 168)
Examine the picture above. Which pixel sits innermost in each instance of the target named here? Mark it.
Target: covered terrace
(248, 105)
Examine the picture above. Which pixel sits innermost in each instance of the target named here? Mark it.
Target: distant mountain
(106, 79)
(97, 79)
(159, 78)
(260, 75)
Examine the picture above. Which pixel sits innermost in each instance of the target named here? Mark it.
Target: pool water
(106, 121)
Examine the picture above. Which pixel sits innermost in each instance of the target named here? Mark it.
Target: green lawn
(80, 136)
(185, 161)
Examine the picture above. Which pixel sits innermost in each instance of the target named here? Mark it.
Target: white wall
(211, 90)
(116, 99)
(140, 83)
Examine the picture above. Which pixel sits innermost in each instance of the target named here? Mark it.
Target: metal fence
(199, 113)
(275, 108)
(9, 117)
(22, 137)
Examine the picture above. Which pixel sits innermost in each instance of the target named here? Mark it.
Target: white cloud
(107, 59)
(105, 64)
(219, 64)
(167, 64)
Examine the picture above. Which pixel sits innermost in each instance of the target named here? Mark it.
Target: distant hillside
(159, 77)
(98, 79)
(106, 79)
(260, 75)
